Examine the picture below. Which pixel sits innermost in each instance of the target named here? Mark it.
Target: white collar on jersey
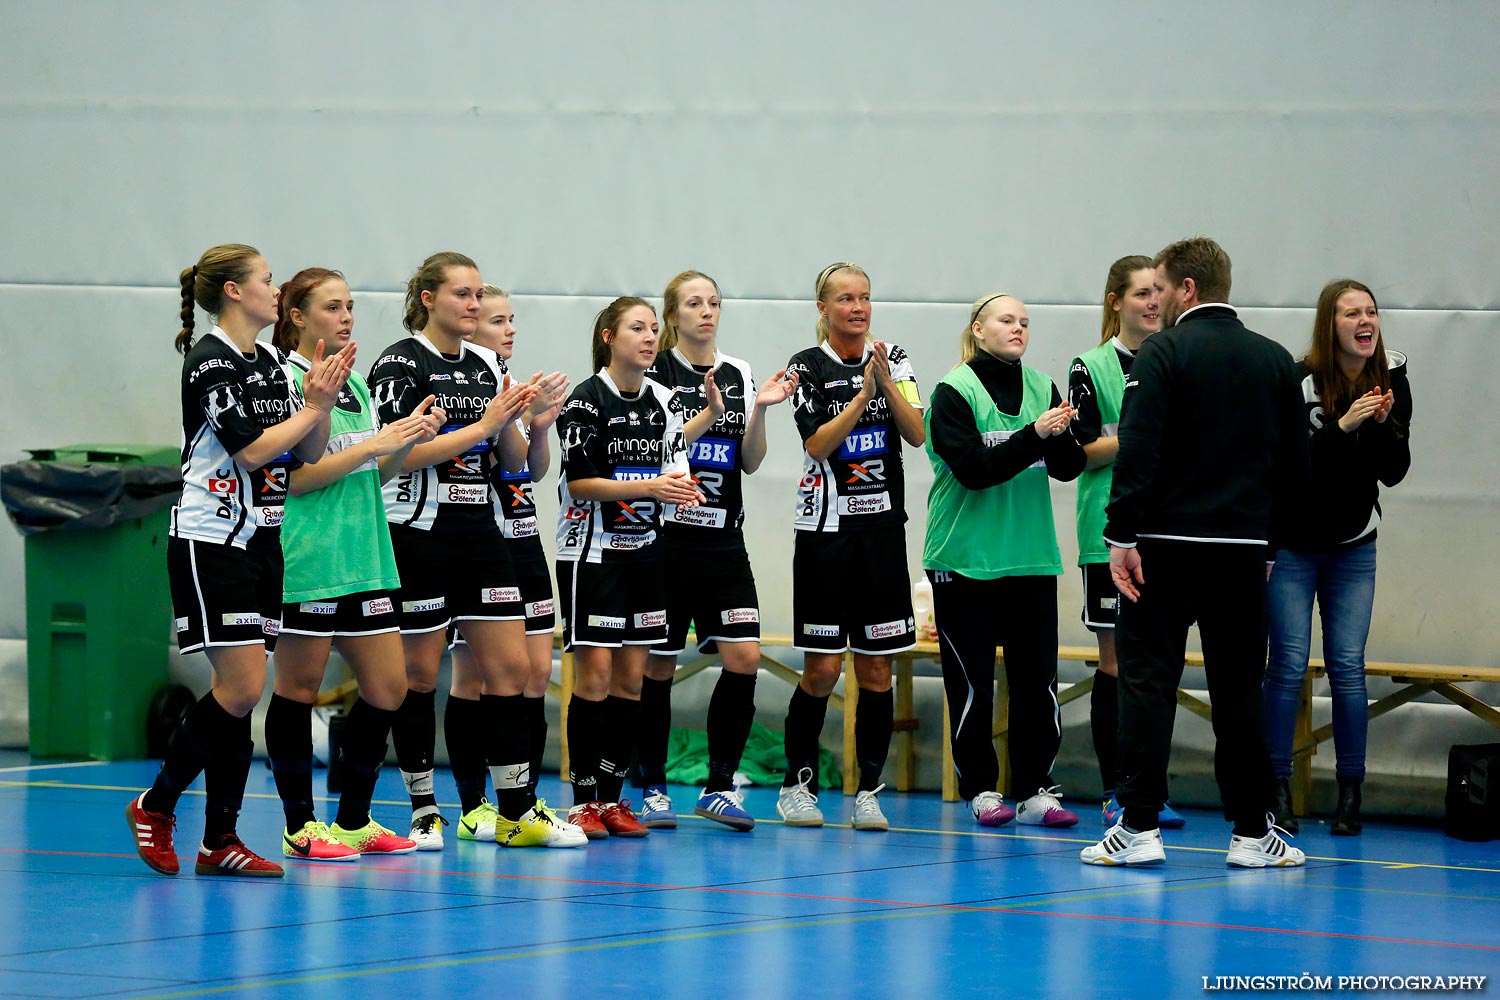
(609, 384)
(863, 358)
(677, 353)
(218, 331)
(463, 345)
(1120, 346)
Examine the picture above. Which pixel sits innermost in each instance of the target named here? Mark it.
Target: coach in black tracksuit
(1210, 431)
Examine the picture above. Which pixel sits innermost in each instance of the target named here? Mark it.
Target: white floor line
(46, 767)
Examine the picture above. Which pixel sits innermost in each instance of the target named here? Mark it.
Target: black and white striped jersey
(453, 495)
(715, 457)
(862, 484)
(228, 400)
(608, 434)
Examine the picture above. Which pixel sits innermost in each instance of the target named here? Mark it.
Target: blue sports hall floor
(934, 908)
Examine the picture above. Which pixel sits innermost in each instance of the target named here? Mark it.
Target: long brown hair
(671, 299)
(1115, 286)
(294, 293)
(204, 282)
(609, 319)
(1335, 389)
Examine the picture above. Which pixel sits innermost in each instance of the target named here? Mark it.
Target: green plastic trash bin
(98, 608)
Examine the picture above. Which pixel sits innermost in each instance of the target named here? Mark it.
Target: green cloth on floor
(764, 762)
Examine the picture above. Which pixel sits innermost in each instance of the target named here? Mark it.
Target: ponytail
(184, 341)
(968, 344)
(608, 319)
(429, 278)
(204, 283)
(294, 292)
(1115, 287)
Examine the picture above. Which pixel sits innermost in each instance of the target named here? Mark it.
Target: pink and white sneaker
(1043, 809)
(990, 809)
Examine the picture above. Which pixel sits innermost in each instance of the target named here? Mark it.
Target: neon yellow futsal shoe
(538, 827)
(478, 823)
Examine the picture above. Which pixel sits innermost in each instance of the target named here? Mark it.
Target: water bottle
(921, 608)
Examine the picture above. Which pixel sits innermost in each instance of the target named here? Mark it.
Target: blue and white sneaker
(1170, 819)
(656, 809)
(725, 807)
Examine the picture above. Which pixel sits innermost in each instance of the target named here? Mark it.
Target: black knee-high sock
(224, 782)
(464, 727)
(585, 720)
(415, 734)
(1104, 721)
(622, 717)
(654, 732)
(197, 740)
(536, 728)
(364, 751)
(509, 751)
(289, 747)
(731, 711)
(804, 724)
(874, 716)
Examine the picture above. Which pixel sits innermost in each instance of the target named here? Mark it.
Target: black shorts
(536, 598)
(224, 596)
(714, 593)
(612, 604)
(446, 577)
(852, 589)
(1101, 598)
(370, 612)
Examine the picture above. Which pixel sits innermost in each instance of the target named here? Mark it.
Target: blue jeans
(1343, 582)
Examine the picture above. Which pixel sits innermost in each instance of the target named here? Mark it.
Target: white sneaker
(538, 827)
(867, 814)
(427, 831)
(1269, 851)
(1044, 809)
(1120, 847)
(989, 809)
(797, 805)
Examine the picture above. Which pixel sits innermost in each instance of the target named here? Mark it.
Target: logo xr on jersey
(871, 471)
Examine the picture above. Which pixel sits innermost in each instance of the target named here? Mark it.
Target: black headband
(980, 308)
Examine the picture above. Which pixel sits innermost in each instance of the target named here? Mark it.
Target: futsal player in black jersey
(515, 514)
(726, 436)
(623, 459)
(452, 560)
(856, 401)
(245, 427)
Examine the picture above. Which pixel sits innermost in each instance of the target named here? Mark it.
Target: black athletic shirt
(228, 400)
(1087, 425)
(1340, 505)
(607, 434)
(715, 457)
(515, 504)
(862, 483)
(977, 465)
(454, 495)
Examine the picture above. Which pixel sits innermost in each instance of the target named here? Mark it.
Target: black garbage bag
(46, 496)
